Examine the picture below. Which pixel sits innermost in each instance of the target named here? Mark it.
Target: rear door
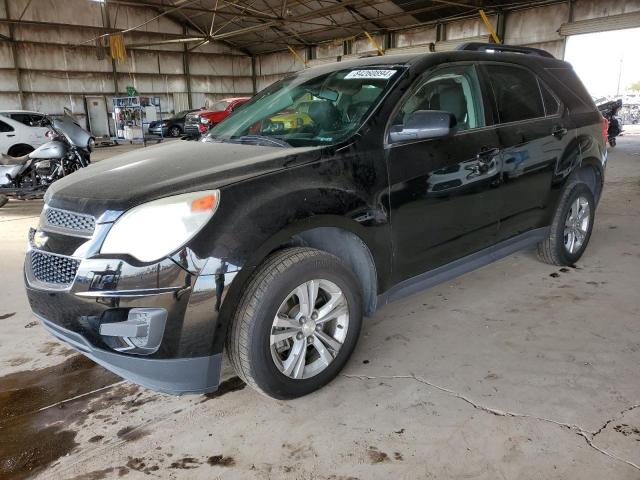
(534, 131)
(34, 133)
(444, 195)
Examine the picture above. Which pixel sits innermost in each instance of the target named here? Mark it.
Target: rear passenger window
(517, 93)
(5, 127)
(23, 118)
(551, 105)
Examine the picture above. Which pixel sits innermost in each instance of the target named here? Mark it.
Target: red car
(199, 122)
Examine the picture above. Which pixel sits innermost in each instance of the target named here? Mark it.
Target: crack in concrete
(578, 430)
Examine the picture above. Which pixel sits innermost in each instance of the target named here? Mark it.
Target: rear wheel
(571, 228)
(297, 323)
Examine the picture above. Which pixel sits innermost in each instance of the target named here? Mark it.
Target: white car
(21, 132)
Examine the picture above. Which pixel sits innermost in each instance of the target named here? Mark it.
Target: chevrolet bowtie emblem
(39, 239)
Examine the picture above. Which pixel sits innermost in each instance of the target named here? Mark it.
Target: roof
(262, 26)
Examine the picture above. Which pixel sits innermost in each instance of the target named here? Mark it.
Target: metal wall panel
(587, 9)
(535, 25)
(418, 36)
(602, 24)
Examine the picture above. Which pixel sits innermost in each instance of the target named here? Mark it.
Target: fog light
(141, 333)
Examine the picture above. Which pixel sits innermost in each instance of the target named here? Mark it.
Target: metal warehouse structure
(54, 54)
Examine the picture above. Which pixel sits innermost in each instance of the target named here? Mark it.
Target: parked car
(171, 127)
(21, 132)
(201, 121)
(274, 245)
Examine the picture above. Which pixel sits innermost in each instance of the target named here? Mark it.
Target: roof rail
(484, 47)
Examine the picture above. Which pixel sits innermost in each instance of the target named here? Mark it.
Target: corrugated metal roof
(260, 26)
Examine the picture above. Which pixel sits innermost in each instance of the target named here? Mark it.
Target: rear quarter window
(551, 105)
(574, 90)
(5, 127)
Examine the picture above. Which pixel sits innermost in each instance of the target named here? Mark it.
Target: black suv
(332, 192)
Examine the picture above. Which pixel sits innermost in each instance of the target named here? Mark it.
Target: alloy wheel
(309, 329)
(576, 225)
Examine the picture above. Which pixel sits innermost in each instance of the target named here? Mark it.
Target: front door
(444, 192)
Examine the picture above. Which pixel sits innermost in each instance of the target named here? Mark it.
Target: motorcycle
(609, 110)
(28, 177)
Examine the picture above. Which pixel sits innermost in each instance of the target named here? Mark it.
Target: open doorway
(607, 63)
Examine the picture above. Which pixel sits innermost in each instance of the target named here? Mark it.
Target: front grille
(69, 221)
(53, 269)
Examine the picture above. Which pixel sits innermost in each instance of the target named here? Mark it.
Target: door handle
(559, 132)
(486, 154)
(11, 135)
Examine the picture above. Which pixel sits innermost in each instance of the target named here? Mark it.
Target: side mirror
(423, 124)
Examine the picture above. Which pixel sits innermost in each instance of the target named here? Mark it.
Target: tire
(175, 131)
(3, 200)
(557, 248)
(19, 150)
(251, 346)
(612, 141)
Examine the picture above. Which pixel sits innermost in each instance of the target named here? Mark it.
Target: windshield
(219, 106)
(182, 114)
(304, 111)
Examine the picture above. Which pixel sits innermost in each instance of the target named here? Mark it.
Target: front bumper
(104, 291)
(158, 130)
(175, 376)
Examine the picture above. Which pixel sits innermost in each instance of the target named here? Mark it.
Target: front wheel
(571, 228)
(296, 324)
(175, 131)
(612, 141)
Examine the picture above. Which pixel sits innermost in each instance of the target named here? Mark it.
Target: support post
(254, 78)
(106, 23)
(14, 53)
(487, 23)
(373, 42)
(501, 25)
(440, 32)
(186, 71)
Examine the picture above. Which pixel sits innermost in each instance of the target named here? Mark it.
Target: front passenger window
(451, 89)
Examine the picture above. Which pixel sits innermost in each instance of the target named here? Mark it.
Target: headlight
(153, 230)
(92, 144)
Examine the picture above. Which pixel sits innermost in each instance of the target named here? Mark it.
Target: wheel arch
(591, 173)
(334, 235)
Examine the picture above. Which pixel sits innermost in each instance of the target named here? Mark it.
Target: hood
(142, 175)
(215, 116)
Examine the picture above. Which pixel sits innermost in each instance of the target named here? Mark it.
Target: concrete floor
(516, 371)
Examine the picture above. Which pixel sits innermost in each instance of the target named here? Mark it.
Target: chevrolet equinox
(332, 192)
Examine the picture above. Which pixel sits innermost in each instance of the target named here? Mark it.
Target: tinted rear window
(517, 93)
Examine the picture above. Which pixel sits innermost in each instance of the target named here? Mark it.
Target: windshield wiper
(260, 140)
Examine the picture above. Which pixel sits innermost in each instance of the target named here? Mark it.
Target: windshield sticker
(383, 74)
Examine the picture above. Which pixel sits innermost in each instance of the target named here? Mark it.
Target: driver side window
(453, 89)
